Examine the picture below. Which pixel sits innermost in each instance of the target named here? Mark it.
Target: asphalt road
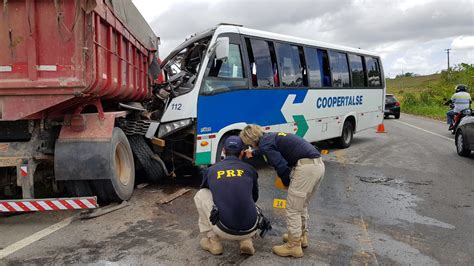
(401, 197)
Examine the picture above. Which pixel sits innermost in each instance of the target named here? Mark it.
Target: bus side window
(357, 71)
(373, 71)
(261, 63)
(339, 69)
(230, 68)
(314, 67)
(325, 68)
(226, 75)
(290, 65)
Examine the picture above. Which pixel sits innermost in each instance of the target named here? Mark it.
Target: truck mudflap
(36, 205)
(83, 149)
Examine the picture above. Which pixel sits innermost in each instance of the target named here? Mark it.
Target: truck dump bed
(57, 55)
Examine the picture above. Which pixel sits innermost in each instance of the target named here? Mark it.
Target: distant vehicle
(465, 136)
(392, 106)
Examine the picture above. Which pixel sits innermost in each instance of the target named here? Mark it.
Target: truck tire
(345, 140)
(89, 168)
(147, 159)
(119, 186)
(79, 188)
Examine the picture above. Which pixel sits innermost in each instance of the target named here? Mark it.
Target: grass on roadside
(425, 95)
(435, 112)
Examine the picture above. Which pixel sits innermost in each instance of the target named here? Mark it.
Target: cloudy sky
(411, 35)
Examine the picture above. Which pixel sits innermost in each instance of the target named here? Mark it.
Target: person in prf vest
(299, 165)
(226, 201)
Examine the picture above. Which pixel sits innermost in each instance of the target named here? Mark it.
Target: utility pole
(447, 52)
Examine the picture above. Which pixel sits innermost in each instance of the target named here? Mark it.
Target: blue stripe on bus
(262, 107)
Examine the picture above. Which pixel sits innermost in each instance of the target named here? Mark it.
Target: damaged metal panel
(56, 55)
(130, 15)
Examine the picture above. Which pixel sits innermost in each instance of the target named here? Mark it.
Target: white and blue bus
(225, 78)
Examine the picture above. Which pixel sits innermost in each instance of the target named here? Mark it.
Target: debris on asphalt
(391, 180)
(422, 183)
(462, 206)
(375, 180)
(153, 190)
(174, 196)
(104, 210)
(143, 185)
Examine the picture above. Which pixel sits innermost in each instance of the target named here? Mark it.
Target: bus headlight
(171, 127)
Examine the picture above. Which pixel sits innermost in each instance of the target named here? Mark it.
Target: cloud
(395, 29)
(463, 42)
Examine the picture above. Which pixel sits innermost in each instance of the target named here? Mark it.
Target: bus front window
(181, 70)
(226, 74)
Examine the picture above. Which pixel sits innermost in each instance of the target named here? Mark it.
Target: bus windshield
(182, 67)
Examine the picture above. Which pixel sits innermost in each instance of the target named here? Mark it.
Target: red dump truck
(73, 75)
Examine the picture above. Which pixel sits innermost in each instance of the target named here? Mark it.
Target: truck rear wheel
(105, 169)
(79, 188)
(120, 185)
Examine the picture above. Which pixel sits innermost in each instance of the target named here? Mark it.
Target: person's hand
(241, 155)
(248, 153)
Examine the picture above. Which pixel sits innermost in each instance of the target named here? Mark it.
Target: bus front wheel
(345, 140)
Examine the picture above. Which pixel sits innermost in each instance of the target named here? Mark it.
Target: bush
(429, 101)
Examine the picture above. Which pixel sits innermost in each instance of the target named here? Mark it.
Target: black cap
(233, 144)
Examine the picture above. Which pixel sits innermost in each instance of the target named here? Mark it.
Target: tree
(406, 75)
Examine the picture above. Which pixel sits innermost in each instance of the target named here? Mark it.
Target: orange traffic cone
(381, 128)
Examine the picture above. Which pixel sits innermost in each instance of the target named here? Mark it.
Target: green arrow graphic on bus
(302, 125)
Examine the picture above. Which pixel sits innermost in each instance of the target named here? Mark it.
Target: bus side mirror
(222, 48)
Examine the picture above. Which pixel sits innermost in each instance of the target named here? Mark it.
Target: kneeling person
(229, 190)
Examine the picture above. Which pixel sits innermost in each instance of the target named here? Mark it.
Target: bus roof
(287, 38)
(233, 28)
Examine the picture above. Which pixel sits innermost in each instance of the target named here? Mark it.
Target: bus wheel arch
(220, 146)
(352, 119)
(233, 129)
(347, 133)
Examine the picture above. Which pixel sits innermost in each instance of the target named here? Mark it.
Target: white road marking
(424, 130)
(34, 237)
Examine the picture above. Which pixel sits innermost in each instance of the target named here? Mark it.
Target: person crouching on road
(226, 201)
(299, 165)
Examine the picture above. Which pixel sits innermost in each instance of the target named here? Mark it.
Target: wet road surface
(403, 197)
